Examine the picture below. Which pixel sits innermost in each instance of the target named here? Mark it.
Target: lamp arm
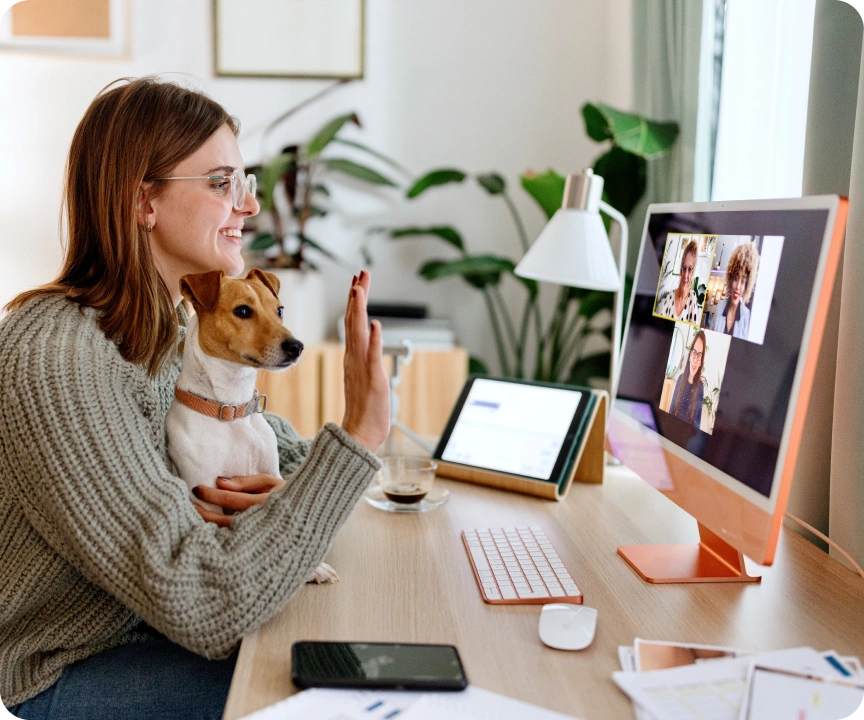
(618, 305)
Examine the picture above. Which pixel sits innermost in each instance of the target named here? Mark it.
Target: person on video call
(733, 315)
(682, 303)
(687, 397)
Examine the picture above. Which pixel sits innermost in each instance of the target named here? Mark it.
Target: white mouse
(567, 627)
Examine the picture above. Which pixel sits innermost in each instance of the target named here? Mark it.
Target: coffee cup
(406, 480)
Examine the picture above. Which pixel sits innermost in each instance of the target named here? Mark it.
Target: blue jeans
(156, 679)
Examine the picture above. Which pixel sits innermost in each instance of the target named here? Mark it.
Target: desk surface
(406, 578)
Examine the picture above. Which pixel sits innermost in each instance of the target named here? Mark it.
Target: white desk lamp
(574, 250)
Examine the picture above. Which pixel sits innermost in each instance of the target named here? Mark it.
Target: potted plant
(294, 192)
(561, 347)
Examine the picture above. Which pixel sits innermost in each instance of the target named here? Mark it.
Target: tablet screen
(512, 427)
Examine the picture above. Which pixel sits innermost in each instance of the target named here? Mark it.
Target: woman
(682, 303)
(732, 316)
(688, 394)
(109, 576)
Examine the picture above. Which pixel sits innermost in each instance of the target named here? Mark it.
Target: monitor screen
(718, 316)
(512, 427)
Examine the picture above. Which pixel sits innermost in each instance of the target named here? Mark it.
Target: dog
(215, 426)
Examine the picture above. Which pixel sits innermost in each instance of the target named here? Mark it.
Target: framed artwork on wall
(289, 38)
(69, 27)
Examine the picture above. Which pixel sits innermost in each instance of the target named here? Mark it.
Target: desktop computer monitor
(720, 348)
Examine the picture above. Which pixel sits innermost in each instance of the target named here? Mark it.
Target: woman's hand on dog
(235, 495)
(367, 388)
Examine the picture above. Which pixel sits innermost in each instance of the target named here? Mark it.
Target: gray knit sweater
(97, 535)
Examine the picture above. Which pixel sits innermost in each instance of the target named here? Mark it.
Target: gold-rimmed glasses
(240, 182)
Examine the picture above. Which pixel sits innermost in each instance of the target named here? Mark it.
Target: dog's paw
(322, 574)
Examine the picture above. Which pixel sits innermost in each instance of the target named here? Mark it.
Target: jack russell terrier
(215, 427)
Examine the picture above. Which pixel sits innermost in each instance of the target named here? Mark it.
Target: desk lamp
(574, 250)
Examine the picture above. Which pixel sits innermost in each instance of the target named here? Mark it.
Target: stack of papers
(676, 681)
(470, 704)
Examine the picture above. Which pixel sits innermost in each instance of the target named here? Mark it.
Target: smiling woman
(109, 578)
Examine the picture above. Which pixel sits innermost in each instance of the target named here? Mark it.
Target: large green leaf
(476, 366)
(435, 178)
(595, 123)
(448, 234)
(270, 177)
(326, 134)
(493, 183)
(547, 189)
(586, 368)
(479, 271)
(263, 241)
(594, 302)
(625, 176)
(374, 153)
(355, 170)
(630, 132)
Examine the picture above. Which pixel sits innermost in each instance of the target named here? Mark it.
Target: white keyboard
(519, 566)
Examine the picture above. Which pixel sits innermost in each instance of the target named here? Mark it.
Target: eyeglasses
(696, 354)
(240, 182)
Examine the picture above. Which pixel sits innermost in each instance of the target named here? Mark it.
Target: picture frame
(67, 27)
(304, 39)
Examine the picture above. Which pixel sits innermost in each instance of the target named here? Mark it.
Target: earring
(149, 227)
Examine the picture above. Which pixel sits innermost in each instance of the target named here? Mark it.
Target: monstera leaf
(628, 131)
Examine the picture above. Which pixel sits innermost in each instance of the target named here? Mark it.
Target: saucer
(435, 498)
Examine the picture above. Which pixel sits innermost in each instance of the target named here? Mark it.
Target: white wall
(448, 82)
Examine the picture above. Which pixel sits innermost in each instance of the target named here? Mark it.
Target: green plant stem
(574, 336)
(553, 336)
(510, 328)
(496, 328)
(541, 342)
(520, 228)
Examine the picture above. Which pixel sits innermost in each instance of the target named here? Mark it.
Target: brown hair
(134, 131)
(744, 261)
(697, 379)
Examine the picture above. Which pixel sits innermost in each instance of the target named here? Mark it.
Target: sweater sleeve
(292, 448)
(78, 445)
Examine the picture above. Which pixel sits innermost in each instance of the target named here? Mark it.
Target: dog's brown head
(241, 320)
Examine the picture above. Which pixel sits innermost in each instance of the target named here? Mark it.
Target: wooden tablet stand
(587, 466)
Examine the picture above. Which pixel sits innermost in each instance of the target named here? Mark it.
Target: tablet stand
(588, 463)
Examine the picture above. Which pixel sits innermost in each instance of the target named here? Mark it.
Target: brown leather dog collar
(222, 411)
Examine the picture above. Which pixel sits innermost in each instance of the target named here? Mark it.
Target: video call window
(684, 275)
(694, 375)
(737, 304)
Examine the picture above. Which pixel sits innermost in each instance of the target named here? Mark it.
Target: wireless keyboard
(519, 566)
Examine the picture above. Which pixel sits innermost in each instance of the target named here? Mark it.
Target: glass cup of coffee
(406, 480)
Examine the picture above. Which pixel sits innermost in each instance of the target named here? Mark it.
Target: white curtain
(763, 99)
(673, 72)
(828, 489)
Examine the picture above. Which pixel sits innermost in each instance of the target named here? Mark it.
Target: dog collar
(222, 411)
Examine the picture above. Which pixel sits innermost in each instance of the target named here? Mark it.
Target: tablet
(524, 429)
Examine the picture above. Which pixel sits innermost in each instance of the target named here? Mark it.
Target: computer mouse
(567, 627)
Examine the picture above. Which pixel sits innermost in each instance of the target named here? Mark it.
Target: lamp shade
(572, 250)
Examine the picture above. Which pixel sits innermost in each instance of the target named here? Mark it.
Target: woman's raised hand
(367, 389)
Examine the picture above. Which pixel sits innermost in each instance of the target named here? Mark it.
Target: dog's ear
(202, 290)
(271, 282)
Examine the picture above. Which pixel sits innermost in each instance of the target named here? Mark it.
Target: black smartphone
(393, 666)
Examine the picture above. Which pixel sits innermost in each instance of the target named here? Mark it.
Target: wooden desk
(407, 579)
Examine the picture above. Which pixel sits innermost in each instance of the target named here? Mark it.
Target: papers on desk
(672, 681)
(470, 704)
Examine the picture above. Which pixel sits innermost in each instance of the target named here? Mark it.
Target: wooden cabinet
(312, 392)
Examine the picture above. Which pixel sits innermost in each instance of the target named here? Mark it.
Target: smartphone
(393, 666)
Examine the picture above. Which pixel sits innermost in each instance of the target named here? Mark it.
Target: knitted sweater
(96, 533)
